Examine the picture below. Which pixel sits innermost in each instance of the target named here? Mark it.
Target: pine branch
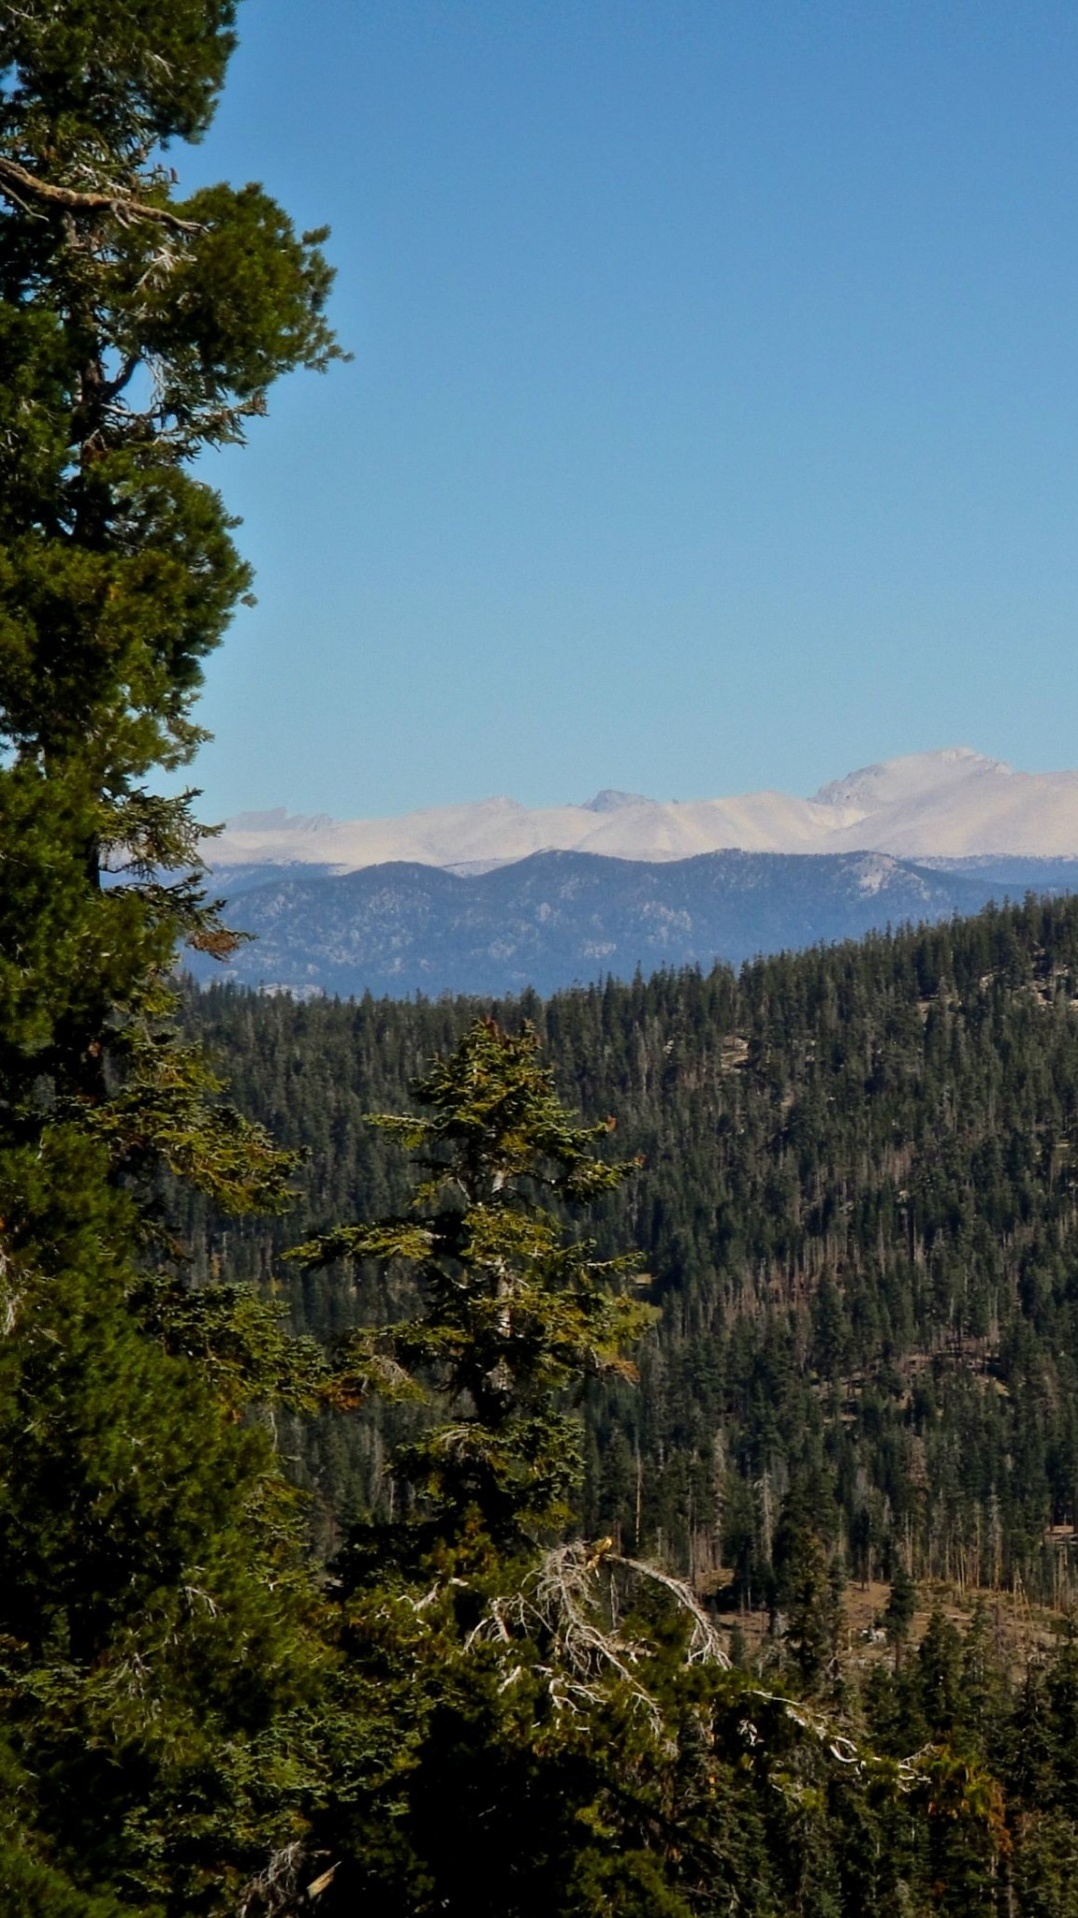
(16, 180)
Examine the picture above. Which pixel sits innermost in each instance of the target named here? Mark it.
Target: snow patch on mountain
(953, 804)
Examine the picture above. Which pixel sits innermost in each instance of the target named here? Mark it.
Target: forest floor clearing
(1020, 1631)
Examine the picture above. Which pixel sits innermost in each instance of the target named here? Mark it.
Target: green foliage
(135, 330)
(155, 1621)
(117, 75)
(522, 1730)
(808, 1589)
(160, 1636)
(862, 1356)
(857, 1202)
(857, 1197)
(515, 1316)
(900, 1608)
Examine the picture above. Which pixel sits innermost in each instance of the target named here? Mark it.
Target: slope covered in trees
(558, 919)
(476, 1707)
(858, 1201)
(525, 1723)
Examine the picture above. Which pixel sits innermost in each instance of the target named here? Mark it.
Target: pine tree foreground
(475, 1711)
(525, 1723)
(158, 1628)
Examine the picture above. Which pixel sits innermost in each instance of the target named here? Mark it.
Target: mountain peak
(610, 800)
(910, 777)
(954, 803)
(278, 819)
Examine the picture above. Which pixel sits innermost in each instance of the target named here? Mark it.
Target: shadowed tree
(156, 1624)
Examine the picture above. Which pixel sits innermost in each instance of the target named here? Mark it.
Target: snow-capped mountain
(949, 805)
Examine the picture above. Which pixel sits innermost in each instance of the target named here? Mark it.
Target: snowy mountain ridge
(952, 804)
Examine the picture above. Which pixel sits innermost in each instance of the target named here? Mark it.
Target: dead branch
(704, 1646)
(275, 1888)
(557, 1607)
(560, 1602)
(16, 180)
(12, 1286)
(908, 1771)
(563, 1590)
(280, 1890)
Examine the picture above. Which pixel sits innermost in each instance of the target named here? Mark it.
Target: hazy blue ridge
(235, 880)
(559, 918)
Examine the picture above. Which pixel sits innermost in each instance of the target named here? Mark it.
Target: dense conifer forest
(857, 1198)
(346, 1563)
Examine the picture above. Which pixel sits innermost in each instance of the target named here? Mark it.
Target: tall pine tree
(157, 1649)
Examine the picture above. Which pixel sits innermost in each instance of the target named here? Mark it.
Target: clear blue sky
(714, 416)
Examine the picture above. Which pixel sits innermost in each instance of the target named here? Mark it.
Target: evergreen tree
(481, 1711)
(899, 1611)
(807, 1584)
(511, 1317)
(157, 1626)
(515, 1316)
(870, 1144)
(527, 1722)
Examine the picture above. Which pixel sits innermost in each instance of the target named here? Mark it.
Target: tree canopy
(515, 1317)
(156, 1616)
(473, 1698)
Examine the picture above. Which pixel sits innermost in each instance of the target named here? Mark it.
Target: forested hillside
(559, 919)
(857, 1196)
(449, 1683)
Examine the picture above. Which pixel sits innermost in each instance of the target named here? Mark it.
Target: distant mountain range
(558, 918)
(493, 898)
(948, 805)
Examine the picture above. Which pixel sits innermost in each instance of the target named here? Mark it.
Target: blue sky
(713, 421)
